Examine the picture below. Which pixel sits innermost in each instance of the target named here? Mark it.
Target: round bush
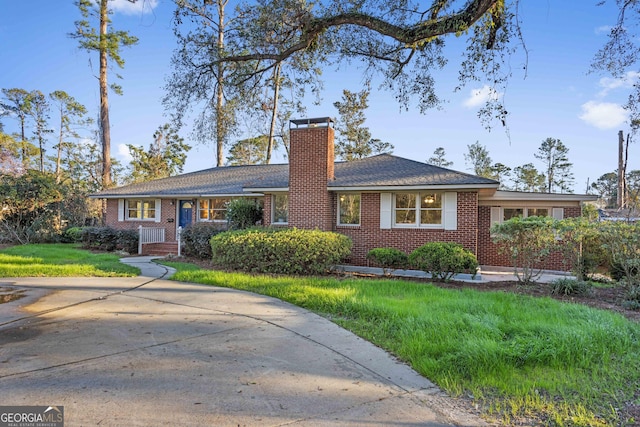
(443, 260)
(388, 258)
(279, 251)
(72, 235)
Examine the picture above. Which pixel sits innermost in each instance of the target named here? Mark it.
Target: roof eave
(267, 189)
(518, 195)
(174, 196)
(413, 187)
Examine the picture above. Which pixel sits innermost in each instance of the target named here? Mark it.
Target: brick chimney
(311, 167)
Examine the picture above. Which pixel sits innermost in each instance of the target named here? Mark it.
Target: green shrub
(243, 213)
(632, 298)
(72, 235)
(622, 243)
(127, 240)
(618, 271)
(443, 260)
(100, 238)
(279, 251)
(567, 286)
(109, 239)
(388, 258)
(594, 255)
(528, 242)
(195, 239)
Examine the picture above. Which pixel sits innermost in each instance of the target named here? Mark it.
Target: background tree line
(49, 167)
(553, 176)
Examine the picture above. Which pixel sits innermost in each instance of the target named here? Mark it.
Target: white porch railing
(149, 235)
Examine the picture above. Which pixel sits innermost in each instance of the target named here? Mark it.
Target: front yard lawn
(60, 260)
(520, 359)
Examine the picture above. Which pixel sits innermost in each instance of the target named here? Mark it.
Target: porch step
(162, 249)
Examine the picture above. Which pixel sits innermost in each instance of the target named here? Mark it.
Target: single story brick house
(380, 201)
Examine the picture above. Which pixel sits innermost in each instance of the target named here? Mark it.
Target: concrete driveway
(147, 352)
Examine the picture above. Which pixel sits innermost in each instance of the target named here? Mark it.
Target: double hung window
(214, 209)
(141, 210)
(422, 209)
(280, 209)
(349, 209)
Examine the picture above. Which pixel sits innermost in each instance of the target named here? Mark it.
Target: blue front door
(186, 207)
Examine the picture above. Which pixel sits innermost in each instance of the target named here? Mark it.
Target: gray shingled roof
(383, 170)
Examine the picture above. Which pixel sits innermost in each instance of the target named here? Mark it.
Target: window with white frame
(422, 209)
(214, 209)
(349, 209)
(141, 210)
(508, 213)
(280, 209)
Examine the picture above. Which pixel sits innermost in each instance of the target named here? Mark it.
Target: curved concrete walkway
(146, 351)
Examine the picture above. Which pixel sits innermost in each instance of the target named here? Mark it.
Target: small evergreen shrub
(279, 251)
(632, 298)
(100, 238)
(388, 258)
(243, 213)
(195, 239)
(443, 260)
(567, 286)
(72, 235)
(127, 240)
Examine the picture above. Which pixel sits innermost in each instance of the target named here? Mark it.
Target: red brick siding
(167, 211)
(368, 234)
(489, 253)
(266, 210)
(311, 166)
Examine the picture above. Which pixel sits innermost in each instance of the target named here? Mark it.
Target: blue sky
(557, 98)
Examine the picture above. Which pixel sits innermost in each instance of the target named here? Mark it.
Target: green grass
(517, 356)
(60, 260)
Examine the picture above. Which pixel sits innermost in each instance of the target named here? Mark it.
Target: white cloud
(128, 7)
(123, 152)
(479, 96)
(604, 29)
(603, 115)
(627, 81)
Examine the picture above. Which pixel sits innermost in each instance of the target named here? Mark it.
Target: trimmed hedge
(196, 239)
(279, 251)
(443, 260)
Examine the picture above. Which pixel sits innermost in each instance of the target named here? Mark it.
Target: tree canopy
(166, 156)
(225, 56)
(354, 139)
(557, 168)
(100, 36)
(620, 55)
